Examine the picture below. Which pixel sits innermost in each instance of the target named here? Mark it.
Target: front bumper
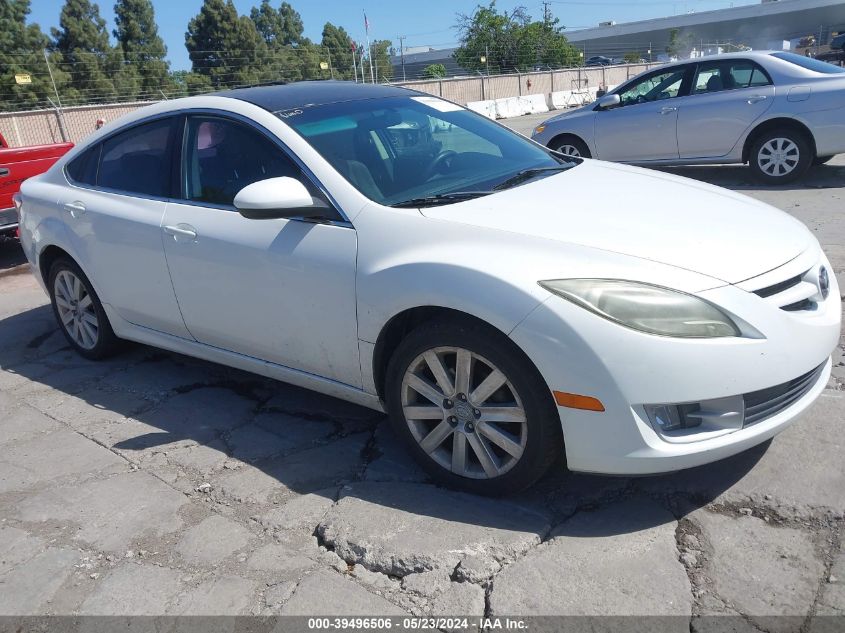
(578, 352)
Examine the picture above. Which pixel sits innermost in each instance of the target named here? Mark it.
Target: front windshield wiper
(526, 174)
(440, 198)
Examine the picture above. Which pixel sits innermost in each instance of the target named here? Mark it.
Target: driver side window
(654, 87)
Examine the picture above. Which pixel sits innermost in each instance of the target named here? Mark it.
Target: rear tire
(79, 312)
(780, 156)
(570, 146)
(491, 444)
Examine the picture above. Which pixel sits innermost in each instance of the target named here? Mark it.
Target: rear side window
(139, 160)
(717, 76)
(809, 63)
(223, 156)
(82, 170)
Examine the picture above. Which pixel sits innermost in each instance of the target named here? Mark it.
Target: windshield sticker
(438, 104)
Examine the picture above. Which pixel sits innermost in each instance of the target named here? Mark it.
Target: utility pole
(401, 39)
(547, 14)
(369, 48)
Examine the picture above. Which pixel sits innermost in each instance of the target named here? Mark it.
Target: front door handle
(756, 98)
(668, 109)
(181, 230)
(3, 172)
(74, 208)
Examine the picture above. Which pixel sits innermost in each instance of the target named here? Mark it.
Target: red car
(16, 165)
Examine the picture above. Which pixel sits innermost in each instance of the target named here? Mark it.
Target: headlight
(646, 308)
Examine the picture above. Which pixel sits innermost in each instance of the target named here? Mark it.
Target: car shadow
(740, 178)
(11, 254)
(138, 393)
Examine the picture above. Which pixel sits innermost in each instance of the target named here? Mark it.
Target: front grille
(768, 291)
(763, 404)
(8, 216)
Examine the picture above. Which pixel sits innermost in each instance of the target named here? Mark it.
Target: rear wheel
(79, 312)
(474, 412)
(570, 146)
(780, 156)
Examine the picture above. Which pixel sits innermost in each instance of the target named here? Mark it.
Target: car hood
(646, 214)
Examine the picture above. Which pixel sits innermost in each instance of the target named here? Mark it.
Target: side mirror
(608, 102)
(276, 198)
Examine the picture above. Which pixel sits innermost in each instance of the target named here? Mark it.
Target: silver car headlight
(645, 307)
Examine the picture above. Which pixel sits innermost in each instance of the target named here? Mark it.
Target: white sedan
(777, 111)
(395, 250)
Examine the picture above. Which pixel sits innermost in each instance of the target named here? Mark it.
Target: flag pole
(354, 63)
(369, 50)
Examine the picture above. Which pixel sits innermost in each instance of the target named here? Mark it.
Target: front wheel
(474, 412)
(570, 146)
(79, 312)
(780, 156)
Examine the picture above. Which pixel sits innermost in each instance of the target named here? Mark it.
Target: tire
(821, 160)
(780, 156)
(79, 312)
(571, 146)
(535, 442)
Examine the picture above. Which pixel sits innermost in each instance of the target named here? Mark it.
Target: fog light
(668, 417)
(719, 414)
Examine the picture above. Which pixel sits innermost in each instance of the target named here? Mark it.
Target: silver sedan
(777, 111)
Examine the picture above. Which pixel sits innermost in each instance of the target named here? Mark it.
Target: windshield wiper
(440, 198)
(526, 174)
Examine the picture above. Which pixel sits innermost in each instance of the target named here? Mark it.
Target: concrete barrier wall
(42, 126)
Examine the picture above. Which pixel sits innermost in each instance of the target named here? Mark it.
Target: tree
(292, 28)
(143, 50)
(21, 47)
(511, 41)
(632, 57)
(382, 68)
(679, 45)
(434, 71)
(82, 42)
(338, 45)
(224, 47)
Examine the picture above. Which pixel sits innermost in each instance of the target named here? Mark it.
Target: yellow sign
(482, 59)
(23, 79)
(324, 66)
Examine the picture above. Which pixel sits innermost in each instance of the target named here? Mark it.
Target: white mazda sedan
(395, 250)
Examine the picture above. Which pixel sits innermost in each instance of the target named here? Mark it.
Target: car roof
(277, 98)
(758, 55)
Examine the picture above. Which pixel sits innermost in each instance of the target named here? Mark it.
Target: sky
(422, 24)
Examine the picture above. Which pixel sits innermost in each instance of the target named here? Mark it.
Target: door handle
(3, 172)
(668, 109)
(181, 230)
(74, 208)
(755, 99)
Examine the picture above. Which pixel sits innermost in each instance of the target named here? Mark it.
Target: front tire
(821, 160)
(570, 146)
(780, 156)
(472, 409)
(79, 312)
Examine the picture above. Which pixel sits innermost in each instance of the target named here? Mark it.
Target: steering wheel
(438, 162)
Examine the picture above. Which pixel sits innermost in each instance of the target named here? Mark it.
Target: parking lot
(156, 484)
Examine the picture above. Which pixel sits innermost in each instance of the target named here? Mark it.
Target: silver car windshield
(401, 149)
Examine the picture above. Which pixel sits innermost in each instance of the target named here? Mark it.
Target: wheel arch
(569, 136)
(46, 259)
(401, 324)
(773, 124)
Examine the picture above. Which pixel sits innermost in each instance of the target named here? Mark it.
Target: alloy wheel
(76, 310)
(464, 412)
(778, 157)
(569, 150)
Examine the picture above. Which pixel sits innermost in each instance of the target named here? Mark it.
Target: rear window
(82, 170)
(138, 160)
(809, 63)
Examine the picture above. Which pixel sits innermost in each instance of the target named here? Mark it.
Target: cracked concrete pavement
(157, 484)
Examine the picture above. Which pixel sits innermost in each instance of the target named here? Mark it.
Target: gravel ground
(156, 484)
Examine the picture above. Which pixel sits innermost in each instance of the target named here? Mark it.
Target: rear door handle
(755, 99)
(3, 172)
(74, 208)
(668, 109)
(181, 230)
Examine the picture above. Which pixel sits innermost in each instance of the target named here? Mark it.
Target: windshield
(809, 63)
(402, 149)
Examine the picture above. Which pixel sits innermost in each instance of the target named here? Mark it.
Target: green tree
(292, 27)
(434, 71)
(511, 41)
(225, 47)
(82, 42)
(679, 45)
(382, 68)
(143, 50)
(338, 45)
(632, 57)
(21, 47)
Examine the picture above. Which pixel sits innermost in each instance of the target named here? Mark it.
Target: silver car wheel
(76, 310)
(569, 150)
(778, 157)
(464, 412)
